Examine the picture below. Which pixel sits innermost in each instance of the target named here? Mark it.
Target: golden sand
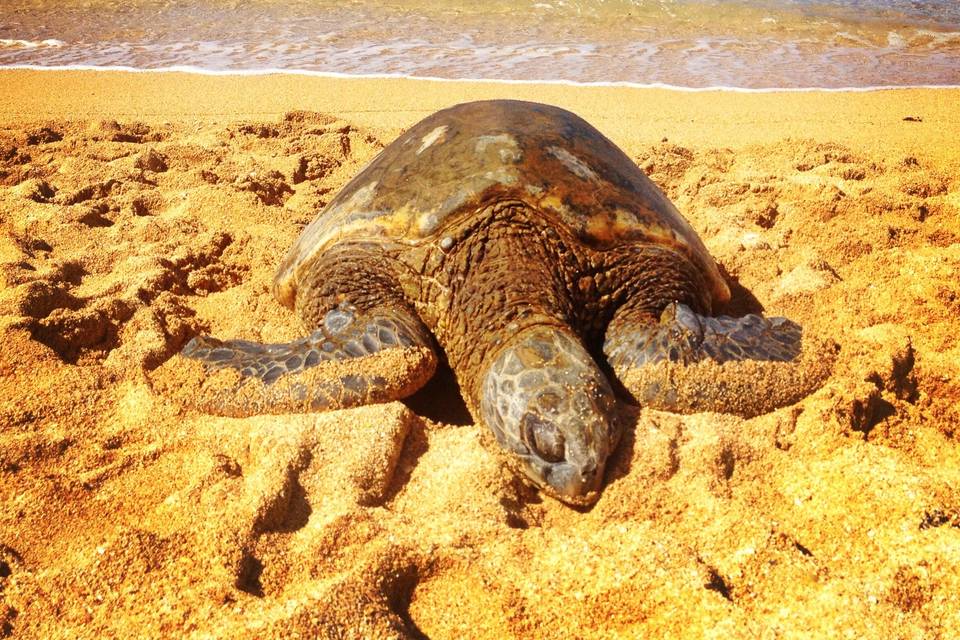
(137, 210)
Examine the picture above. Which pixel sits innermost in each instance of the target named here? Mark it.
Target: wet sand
(137, 210)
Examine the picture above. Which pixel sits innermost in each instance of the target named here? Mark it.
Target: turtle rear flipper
(353, 358)
(688, 363)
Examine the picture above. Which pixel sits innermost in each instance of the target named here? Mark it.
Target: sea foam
(399, 76)
(30, 44)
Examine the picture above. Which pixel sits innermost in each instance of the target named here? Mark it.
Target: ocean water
(745, 44)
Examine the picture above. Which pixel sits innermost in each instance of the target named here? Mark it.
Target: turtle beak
(573, 484)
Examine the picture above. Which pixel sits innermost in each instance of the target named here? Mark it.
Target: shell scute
(469, 156)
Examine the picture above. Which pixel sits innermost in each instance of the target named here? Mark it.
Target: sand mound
(125, 514)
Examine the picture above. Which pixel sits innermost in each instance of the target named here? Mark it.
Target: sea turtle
(515, 240)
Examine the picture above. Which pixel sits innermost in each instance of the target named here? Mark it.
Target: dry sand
(137, 210)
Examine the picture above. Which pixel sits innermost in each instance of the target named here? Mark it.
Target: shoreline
(507, 81)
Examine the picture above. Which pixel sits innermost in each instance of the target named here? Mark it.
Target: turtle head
(551, 408)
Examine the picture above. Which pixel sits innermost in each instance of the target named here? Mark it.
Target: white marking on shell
(446, 243)
(500, 176)
(623, 216)
(509, 148)
(431, 137)
(361, 196)
(580, 168)
(427, 222)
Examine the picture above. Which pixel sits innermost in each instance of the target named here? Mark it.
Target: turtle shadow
(440, 400)
(620, 461)
(742, 301)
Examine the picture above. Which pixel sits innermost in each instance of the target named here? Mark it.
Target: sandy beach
(140, 209)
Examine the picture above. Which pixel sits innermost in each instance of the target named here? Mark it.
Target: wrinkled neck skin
(520, 308)
(481, 282)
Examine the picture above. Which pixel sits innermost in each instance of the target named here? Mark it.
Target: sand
(137, 210)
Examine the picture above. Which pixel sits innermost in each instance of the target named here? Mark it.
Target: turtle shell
(471, 155)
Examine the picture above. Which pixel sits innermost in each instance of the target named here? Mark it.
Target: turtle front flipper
(687, 362)
(353, 358)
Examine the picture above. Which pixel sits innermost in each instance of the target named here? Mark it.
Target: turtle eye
(543, 438)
